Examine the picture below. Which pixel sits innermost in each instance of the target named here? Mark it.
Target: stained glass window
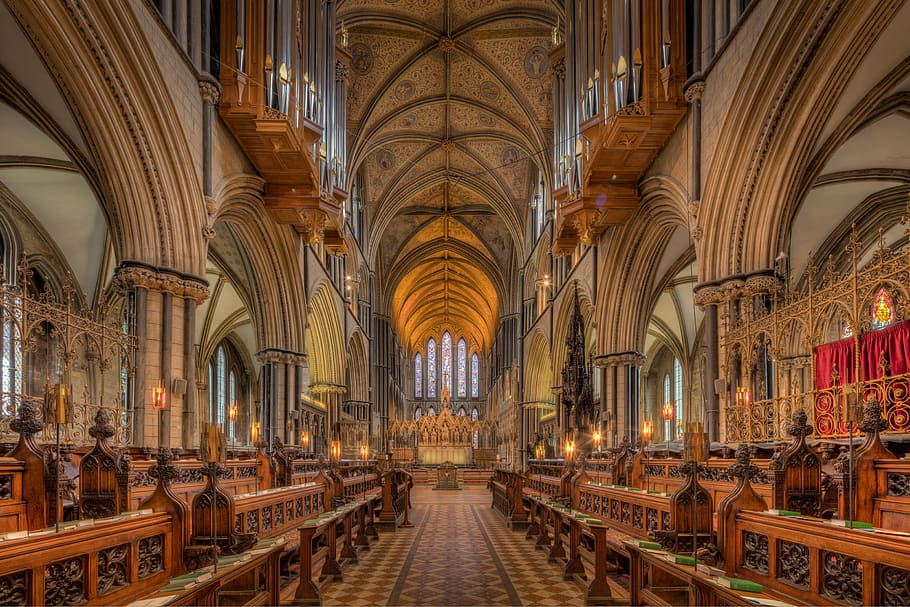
(447, 361)
(232, 399)
(476, 440)
(475, 375)
(219, 391)
(417, 413)
(462, 368)
(474, 414)
(431, 411)
(462, 412)
(882, 310)
(847, 331)
(418, 376)
(431, 368)
(678, 391)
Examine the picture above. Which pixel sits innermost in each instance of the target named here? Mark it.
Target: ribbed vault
(450, 115)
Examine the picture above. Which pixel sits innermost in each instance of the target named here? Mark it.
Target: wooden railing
(635, 513)
(820, 563)
(665, 475)
(277, 511)
(237, 477)
(106, 563)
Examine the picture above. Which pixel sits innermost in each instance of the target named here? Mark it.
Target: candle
(60, 401)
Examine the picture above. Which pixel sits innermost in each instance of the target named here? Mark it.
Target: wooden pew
(396, 487)
(665, 475)
(818, 563)
(12, 502)
(547, 514)
(507, 489)
(238, 476)
(107, 563)
(104, 475)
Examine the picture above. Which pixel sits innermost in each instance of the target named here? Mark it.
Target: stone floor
(459, 552)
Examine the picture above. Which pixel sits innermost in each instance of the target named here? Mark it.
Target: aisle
(459, 552)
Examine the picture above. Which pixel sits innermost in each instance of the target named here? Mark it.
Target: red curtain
(895, 341)
(838, 353)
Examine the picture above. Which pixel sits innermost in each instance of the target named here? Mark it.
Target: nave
(459, 552)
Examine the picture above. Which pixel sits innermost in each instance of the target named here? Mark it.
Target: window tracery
(462, 368)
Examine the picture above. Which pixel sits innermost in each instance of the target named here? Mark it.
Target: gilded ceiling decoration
(450, 123)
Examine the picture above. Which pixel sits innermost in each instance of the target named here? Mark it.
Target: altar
(433, 455)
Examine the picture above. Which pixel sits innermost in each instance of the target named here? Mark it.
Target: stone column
(621, 381)
(708, 299)
(280, 394)
(161, 319)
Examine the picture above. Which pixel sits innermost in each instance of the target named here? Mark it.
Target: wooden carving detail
(64, 582)
(151, 556)
(743, 497)
(894, 586)
(755, 552)
(113, 569)
(797, 474)
(14, 589)
(793, 563)
(842, 578)
(103, 474)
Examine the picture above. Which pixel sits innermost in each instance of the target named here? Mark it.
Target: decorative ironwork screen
(45, 342)
(772, 334)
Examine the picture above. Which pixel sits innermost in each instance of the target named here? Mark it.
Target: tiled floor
(459, 552)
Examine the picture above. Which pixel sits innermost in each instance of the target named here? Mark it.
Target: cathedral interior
(481, 302)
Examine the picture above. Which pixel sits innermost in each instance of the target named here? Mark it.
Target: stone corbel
(312, 225)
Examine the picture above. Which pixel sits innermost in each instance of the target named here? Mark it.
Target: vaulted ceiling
(450, 124)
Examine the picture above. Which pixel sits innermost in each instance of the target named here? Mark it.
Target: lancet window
(462, 368)
(475, 375)
(418, 375)
(431, 368)
(447, 361)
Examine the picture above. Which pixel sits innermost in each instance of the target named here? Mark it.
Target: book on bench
(739, 584)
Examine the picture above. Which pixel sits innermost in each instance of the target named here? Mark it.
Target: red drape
(894, 340)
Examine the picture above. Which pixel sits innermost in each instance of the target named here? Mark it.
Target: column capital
(275, 355)
(209, 89)
(695, 91)
(133, 274)
(615, 359)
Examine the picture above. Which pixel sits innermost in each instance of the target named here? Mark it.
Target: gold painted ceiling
(450, 124)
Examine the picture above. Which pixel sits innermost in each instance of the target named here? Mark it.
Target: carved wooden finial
(103, 429)
(164, 470)
(799, 426)
(28, 420)
(872, 417)
(743, 467)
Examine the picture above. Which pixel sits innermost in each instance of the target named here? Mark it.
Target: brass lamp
(159, 396)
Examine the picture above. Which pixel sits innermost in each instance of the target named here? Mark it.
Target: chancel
(454, 302)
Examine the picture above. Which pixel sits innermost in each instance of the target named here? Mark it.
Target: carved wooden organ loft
(284, 95)
(618, 97)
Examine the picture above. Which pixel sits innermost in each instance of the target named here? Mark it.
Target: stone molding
(129, 276)
(281, 356)
(636, 359)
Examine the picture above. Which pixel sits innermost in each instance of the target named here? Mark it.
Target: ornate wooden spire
(577, 393)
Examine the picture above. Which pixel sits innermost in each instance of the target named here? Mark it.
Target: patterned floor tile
(459, 552)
